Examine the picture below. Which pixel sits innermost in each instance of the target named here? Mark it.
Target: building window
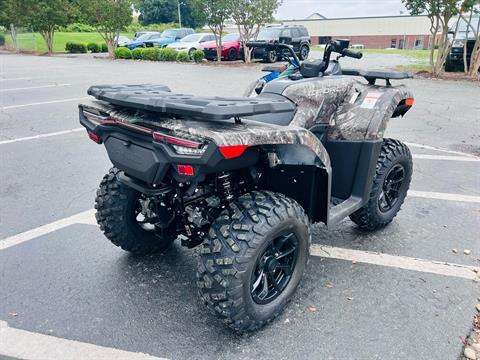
(324, 39)
(393, 44)
(418, 43)
(401, 44)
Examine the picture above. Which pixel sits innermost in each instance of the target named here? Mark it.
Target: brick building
(380, 32)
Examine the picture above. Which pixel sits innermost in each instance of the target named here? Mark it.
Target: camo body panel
(222, 133)
(340, 102)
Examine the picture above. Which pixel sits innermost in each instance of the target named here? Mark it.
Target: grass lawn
(421, 55)
(35, 42)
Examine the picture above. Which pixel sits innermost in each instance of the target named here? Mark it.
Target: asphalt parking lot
(400, 293)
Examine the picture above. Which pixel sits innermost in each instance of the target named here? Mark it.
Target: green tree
(250, 15)
(109, 17)
(215, 13)
(43, 16)
(157, 11)
(166, 11)
(440, 12)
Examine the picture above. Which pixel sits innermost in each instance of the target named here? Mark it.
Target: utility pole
(179, 15)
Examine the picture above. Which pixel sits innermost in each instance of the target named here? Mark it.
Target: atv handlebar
(352, 54)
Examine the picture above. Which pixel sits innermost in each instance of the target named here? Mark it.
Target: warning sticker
(371, 99)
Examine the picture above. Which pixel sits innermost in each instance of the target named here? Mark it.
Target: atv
(244, 178)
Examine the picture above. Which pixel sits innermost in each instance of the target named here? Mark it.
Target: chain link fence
(22, 39)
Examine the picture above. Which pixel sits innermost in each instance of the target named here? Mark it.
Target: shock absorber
(224, 185)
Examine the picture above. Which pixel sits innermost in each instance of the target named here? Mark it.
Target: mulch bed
(446, 76)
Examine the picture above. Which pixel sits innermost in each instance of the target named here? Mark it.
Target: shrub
(137, 53)
(123, 53)
(104, 48)
(2, 39)
(183, 56)
(75, 47)
(77, 27)
(167, 54)
(94, 47)
(151, 54)
(198, 56)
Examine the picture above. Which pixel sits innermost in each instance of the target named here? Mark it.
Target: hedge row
(77, 47)
(156, 54)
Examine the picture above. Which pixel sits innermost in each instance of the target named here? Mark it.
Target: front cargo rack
(159, 98)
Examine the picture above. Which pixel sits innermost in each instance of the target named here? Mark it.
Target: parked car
(295, 35)
(169, 36)
(454, 59)
(140, 42)
(122, 41)
(231, 48)
(192, 42)
(140, 33)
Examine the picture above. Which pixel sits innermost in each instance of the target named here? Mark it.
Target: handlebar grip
(353, 54)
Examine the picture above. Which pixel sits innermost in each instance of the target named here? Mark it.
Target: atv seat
(372, 76)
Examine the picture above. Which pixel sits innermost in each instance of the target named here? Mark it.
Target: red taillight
(94, 137)
(186, 170)
(409, 101)
(176, 141)
(230, 152)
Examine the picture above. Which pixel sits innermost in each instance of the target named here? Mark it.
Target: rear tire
(116, 204)
(261, 236)
(304, 52)
(271, 56)
(387, 194)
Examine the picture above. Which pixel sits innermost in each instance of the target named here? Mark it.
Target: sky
(300, 9)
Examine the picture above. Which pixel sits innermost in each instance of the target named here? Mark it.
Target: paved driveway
(65, 292)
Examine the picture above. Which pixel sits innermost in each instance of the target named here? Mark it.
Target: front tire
(253, 259)
(389, 188)
(116, 205)
(232, 54)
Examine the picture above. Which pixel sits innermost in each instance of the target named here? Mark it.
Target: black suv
(294, 35)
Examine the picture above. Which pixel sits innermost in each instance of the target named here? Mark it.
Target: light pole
(179, 14)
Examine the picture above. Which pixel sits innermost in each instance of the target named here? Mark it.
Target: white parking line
(87, 217)
(82, 218)
(444, 157)
(444, 196)
(35, 87)
(19, 78)
(40, 136)
(28, 345)
(428, 147)
(44, 103)
(399, 262)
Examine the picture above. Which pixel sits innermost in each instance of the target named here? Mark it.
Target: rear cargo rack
(159, 98)
(372, 76)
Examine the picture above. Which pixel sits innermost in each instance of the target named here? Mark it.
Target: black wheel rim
(391, 188)
(274, 269)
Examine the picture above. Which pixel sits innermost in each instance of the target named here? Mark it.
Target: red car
(231, 48)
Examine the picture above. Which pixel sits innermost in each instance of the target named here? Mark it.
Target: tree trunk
(48, 37)
(111, 45)
(434, 32)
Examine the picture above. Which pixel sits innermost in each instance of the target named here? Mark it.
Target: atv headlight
(458, 43)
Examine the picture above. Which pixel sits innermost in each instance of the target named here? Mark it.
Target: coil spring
(225, 186)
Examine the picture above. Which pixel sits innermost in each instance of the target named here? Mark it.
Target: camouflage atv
(244, 178)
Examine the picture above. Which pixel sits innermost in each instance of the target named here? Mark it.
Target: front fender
(366, 117)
